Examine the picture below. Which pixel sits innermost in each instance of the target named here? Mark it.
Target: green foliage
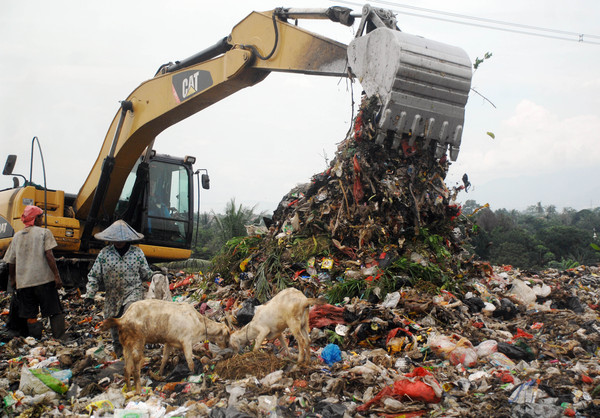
(539, 237)
(436, 244)
(227, 261)
(303, 248)
(479, 61)
(563, 264)
(334, 338)
(348, 288)
(212, 231)
(261, 282)
(416, 272)
(206, 242)
(271, 274)
(233, 222)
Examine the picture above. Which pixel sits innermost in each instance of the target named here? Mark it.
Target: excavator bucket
(423, 86)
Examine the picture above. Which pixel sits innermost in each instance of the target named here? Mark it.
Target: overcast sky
(64, 66)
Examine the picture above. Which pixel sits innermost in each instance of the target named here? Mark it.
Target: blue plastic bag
(331, 354)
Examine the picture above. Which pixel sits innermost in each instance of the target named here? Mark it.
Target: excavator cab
(157, 200)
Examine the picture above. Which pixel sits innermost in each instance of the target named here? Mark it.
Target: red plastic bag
(323, 315)
(400, 339)
(184, 282)
(420, 385)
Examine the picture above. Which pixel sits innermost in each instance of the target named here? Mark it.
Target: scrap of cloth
(29, 214)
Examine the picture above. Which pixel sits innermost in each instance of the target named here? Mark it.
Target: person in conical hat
(122, 268)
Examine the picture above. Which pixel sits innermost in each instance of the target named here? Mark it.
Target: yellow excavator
(422, 86)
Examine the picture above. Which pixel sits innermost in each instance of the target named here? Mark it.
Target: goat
(155, 321)
(288, 309)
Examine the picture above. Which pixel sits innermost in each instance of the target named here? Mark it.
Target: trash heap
(380, 209)
(372, 196)
(514, 343)
(413, 326)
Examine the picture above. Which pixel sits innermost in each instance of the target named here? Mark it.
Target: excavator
(422, 87)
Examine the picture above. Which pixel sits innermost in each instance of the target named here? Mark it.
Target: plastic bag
(331, 354)
(245, 314)
(391, 300)
(323, 315)
(542, 290)
(487, 347)
(420, 385)
(103, 406)
(455, 348)
(501, 360)
(31, 385)
(131, 413)
(267, 405)
(400, 339)
(463, 353)
(514, 352)
(525, 393)
(522, 292)
(46, 376)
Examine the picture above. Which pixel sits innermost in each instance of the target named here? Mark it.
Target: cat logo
(188, 83)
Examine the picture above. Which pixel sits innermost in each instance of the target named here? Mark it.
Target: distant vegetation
(537, 238)
(215, 229)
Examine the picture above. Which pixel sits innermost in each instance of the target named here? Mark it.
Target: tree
(205, 233)
(233, 222)
(469, 206)
(568, 242)
(516, 247)
(528, 240)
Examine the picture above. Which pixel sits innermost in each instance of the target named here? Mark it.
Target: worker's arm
(145, 270)
(52, 263)
(12, 275)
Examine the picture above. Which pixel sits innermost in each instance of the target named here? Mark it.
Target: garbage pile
(373, 195)
(380, 209)
(412, 326)
(514, 343)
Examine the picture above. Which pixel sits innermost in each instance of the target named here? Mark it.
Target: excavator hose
(255, 51)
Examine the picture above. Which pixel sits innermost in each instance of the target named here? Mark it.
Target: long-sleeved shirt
(122, 277)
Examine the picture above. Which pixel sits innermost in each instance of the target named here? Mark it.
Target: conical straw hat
(119, 231)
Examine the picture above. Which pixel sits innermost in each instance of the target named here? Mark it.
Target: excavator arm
(183, 89)
(423, 87)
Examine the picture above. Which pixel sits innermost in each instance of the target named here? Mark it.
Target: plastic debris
(331, 354)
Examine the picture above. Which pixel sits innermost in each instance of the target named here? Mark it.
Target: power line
(580, 36)
(482, 19)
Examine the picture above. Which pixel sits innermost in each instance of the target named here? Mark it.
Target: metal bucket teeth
(423, 85)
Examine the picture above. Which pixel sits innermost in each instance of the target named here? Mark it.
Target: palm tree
(233, 222)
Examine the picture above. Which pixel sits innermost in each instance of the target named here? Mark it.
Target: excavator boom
(423, 85)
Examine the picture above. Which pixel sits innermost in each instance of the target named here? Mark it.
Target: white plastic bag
(487, 347)
(455, 348)
(31, 385)
(522, 293)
